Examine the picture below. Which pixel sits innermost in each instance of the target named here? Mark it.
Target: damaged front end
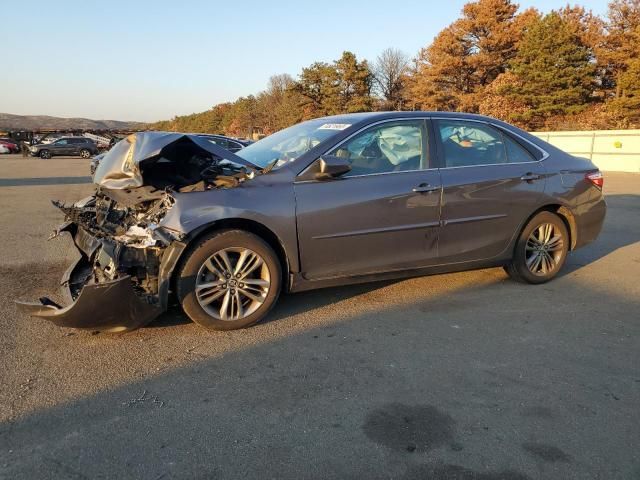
(122, 279)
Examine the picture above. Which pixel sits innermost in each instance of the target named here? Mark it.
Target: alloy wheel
(544, 249)
(232, 283)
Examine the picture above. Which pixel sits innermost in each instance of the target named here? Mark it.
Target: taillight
(596, 178)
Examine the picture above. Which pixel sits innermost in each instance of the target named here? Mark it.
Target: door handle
(425, 188)
(529, 177)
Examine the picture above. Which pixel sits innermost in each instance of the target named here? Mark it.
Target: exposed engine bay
(125, 251)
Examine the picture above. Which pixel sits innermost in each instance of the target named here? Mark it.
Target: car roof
(353, 118)
(216, 135)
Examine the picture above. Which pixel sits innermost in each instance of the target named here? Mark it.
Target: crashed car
(122, 278)
(327, 202)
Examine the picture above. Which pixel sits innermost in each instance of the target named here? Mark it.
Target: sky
(150, 60)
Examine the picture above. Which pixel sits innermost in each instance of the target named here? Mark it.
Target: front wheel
(45, 154)
(541, 249)
(231, 279)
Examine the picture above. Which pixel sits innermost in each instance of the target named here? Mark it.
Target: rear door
(491, 184)
(75, 145)
(383, 215)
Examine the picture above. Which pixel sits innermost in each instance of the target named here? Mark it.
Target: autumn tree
(468, 55)
(389, 76)
(619, 54)
(584, 24)
(243, 117)
(568, 69)
(279, 104)
(317, 86)
(497, 103)
(553, 72)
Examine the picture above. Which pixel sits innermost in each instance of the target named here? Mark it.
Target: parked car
(4, 149)
(231, 144)
(70, 146)
(11, 145)
(327, 202)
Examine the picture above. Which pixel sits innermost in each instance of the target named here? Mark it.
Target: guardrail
(612, 150)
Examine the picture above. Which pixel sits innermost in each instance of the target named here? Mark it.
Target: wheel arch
(247, 225)
(565, 214)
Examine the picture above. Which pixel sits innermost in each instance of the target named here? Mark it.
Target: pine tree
(354, 84)
(342, 87)
(554, 72)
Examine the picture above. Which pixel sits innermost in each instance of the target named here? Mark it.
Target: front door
(383, 215)
(61, 147)
(491, 184)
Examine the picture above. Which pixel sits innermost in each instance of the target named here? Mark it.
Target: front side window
(61, 142)
(390, 147)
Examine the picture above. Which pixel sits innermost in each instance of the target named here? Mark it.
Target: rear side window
(219, 141)
(466, 144)
(516, 153)
(234, 146)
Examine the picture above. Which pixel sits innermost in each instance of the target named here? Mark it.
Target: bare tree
(389, 70)
(278, 84)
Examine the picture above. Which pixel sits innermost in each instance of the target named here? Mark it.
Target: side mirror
(332, 167)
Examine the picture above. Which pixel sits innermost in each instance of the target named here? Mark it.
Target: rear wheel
(45, 154)
(541, 249)
(84, 153)
(230, 280)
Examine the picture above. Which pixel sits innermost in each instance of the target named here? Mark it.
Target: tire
(536, 241)
(84, 153)
(44, 154)
(203, 268)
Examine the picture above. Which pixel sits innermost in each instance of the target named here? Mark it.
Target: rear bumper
(589, 220)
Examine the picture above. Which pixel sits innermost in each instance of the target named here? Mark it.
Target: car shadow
(288, 305)
(408, 393)
(615, 233)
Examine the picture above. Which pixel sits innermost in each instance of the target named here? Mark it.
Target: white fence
(613, 150)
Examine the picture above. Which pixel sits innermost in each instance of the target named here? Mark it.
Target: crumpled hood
(121, 166)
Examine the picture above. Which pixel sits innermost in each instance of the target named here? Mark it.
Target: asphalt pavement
(458, 376)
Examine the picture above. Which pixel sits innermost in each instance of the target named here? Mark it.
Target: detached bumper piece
(110, 306)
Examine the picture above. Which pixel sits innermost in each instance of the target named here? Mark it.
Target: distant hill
(37, 122)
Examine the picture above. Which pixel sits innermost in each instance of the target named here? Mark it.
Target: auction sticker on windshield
(334, 126)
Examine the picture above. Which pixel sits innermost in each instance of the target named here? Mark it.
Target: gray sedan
(330, 201)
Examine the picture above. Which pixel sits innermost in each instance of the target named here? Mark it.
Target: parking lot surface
(458, 376)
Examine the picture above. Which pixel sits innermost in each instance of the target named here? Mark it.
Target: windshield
(289, 144)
